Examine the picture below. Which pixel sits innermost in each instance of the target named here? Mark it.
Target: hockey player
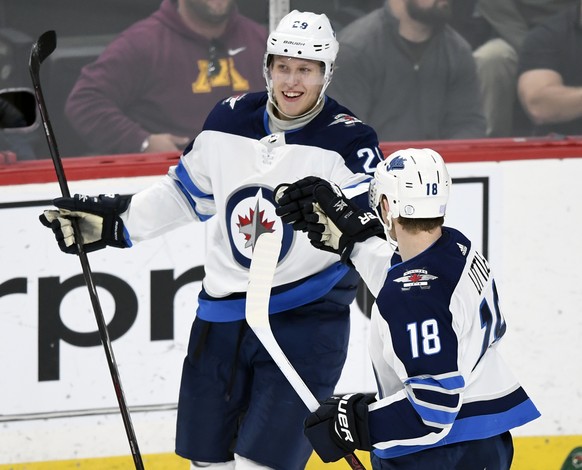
(445, 399)
(236, 409)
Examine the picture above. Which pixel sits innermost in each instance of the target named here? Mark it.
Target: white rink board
(529, 233)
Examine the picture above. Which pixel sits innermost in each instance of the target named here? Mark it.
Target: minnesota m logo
(228, 76)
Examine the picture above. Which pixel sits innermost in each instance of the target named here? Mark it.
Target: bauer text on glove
(340, 426)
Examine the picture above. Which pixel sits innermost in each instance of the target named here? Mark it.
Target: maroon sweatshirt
(153, 79)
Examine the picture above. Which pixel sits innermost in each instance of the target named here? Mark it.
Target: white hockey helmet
(302, 35)
(415, 182)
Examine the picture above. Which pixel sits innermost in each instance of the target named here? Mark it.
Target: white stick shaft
(262, 271)
(261, 274)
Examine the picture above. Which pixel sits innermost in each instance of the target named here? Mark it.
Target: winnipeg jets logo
(397, 163)
(344, 119)
(250, 212)
(254, 224)
(416, 278)
(232, 100)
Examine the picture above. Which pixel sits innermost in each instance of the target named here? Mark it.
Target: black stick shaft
(40, 50)
(354, 462)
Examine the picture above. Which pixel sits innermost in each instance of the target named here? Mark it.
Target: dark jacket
(437, 97)
(153, 79)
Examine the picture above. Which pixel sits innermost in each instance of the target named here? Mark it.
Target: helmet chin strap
(387, 225)
(387, 228)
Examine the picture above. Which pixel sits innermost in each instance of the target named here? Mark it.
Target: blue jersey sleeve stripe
(473, 427)
(496, 405)
(436, 397)
(448, 383)
(185, 179)
(433, 416)
(490, 425)
(188, 196)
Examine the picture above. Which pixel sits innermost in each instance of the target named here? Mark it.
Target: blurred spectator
(550, 73)
(404, 71)
(153, 86)
(497, 58)
(467, 20)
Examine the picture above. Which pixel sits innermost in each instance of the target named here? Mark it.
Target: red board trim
(115, 166)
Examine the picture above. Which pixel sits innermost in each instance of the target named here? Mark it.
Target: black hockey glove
(97, 217)
(335, 224)
(294, 200)
(340, 426)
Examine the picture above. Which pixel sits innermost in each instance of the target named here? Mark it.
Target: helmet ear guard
(415, 182)
(302, 35)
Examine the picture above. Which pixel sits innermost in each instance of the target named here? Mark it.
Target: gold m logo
(228, 76)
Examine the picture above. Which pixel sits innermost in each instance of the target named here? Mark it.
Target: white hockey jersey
(230, 172)
(435, 327)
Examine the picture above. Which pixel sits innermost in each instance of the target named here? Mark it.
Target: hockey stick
(41, 49)
(262, 270)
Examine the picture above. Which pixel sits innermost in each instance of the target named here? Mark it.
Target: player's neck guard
(277, 124)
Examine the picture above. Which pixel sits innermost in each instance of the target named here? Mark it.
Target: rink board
(57, 400)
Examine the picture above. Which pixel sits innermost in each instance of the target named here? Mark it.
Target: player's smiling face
(296, 84)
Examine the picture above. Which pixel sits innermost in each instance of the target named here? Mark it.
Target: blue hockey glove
(294, 200)
(340, 426)
(97, 217)
(335, 223)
